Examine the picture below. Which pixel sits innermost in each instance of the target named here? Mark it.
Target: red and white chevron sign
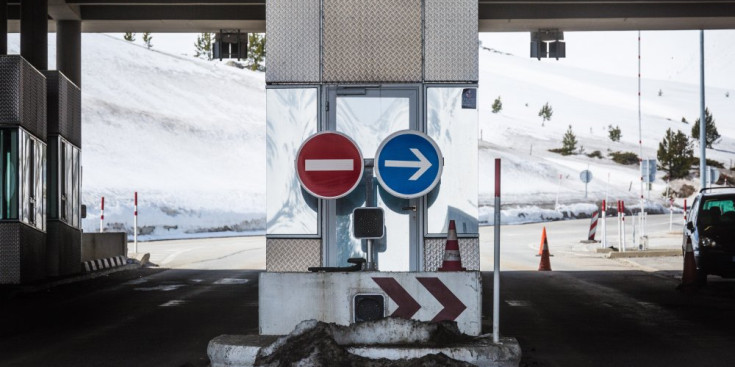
(286, 299)
(408, 306)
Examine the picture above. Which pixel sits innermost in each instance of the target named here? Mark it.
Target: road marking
(173, 303)
(231, 281)
(136, 281)
(173, 255)
(164, 288)
(328, 165)
(517, 303)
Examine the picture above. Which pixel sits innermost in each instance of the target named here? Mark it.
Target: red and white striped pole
(685, 210)
(135, 225)
(593, 226)
(102, 215)
(603, 215)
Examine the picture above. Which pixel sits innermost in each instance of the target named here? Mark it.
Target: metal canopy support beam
(34, 32)
(3, 27)
(69, 50)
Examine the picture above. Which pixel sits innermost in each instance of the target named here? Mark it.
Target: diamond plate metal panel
(293, 30)
(292, 255)
(451, 49)
(64, 106)
(10, 253)
(22, 95)
(372, 41)
(469, 251)
(10, 101)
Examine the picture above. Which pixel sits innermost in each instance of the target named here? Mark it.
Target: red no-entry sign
(329, 165)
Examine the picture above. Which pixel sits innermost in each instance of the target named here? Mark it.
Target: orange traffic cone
(452, 260)
(541, 245)
(689, 275)
(545, 264)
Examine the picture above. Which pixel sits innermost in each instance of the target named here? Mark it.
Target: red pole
(496, 257)
(685, 210)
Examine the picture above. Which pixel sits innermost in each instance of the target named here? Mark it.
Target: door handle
(411, 208)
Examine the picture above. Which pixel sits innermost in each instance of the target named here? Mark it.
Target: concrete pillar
(34, 32)
(69, 49)
(3, 27)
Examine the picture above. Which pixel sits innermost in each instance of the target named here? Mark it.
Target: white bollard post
(636, 224)
(135, 226)
(671, 215)
(102, 215)
(622, 216)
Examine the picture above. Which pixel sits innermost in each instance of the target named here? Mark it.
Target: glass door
(368, 116)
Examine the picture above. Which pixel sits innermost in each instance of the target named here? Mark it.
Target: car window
(718, 210)
(725, 205)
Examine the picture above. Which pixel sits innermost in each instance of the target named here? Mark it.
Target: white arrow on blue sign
(408, 164)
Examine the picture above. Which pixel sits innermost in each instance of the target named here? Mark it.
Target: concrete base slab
(481, 352)
(386, 342)
(646, 253)
(236, 350)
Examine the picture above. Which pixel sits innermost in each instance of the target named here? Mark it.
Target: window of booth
(454, 129)
(31, 178)
(291, 117)
(8, 174)
(64, 203)
(23, 176)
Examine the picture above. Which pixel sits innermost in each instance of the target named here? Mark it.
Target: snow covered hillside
(589, 101)
(189, 135)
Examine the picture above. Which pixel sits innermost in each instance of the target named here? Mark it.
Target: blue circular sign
(408, 164)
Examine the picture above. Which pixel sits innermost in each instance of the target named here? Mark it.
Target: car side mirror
(690, 226)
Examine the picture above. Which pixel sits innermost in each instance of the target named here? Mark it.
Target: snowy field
(189, 135)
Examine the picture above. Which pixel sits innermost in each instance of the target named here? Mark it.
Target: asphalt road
(143, 317)
(589, 311)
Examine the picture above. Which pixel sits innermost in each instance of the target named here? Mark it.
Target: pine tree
(256, 51)
(203, 45)
(497, 105)
(675, 154)
(545, 113)
(147, 39)
(711, 136)
(614, 132)
(128, 36)
(569, 142)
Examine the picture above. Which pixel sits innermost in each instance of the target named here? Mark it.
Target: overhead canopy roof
(494, 15)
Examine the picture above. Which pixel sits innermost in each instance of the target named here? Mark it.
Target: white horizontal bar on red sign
(328, 165)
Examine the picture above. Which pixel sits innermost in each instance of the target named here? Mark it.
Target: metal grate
(64, 107)
(452, 43)
(22, 95)
(292, 254)
(10, 253)
(293, 40)
(469, 250)
(372, 41)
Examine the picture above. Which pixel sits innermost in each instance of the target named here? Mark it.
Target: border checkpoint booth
(370, 104)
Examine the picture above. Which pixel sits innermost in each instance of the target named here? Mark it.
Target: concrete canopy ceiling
(494, 15)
